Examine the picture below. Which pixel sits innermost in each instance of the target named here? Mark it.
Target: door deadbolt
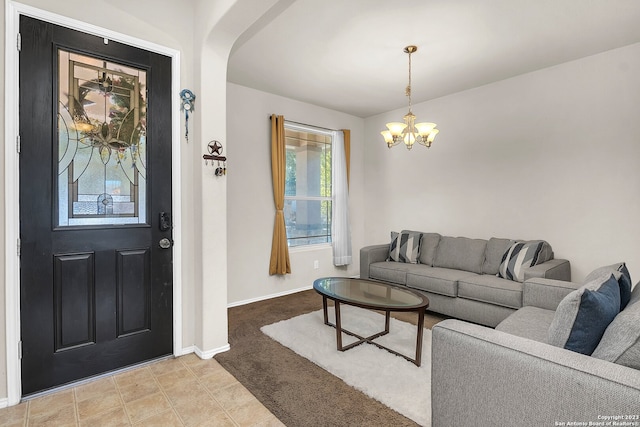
(165, 221)
(164, 243)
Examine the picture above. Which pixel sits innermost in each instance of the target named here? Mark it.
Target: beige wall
(250, 206)
(552, 155)
(549, 154)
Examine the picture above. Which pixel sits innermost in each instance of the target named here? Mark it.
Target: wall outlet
(316, 264)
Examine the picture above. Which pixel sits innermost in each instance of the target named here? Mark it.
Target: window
(307, 194)
(102, 142)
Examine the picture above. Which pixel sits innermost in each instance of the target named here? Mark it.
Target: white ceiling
(347, 55)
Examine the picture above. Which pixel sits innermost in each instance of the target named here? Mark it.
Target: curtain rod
(311, 126)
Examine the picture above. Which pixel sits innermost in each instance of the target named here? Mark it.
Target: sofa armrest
(546, 293)
(371, 254)
(483, 377)
(558, 269)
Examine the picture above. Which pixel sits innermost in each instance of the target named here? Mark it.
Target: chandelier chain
(407, 91)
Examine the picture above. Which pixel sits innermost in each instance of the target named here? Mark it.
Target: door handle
(164, 243)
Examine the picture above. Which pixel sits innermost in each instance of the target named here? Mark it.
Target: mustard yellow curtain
(347, 151)
(279, 263)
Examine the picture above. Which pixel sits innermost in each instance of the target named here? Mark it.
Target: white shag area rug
(392, 380)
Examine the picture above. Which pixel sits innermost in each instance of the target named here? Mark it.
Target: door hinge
(19, 42)
(18, 144)
(20, 350)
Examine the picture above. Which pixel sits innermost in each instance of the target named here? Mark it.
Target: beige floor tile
(95, 388)
(175, 392)
(205, 367)
(272, 421)
(188, 359)
(14, 415)
(186, 392)
(136, 376)
(136, 391)
(218, 380)
(50, 403)
(175, 377)
(115, 418)
(60, 416)
(96, 405)
(164, 366)
(233, 396)
(147, 406)
(199, 412)
(250, 414)
(162, 419)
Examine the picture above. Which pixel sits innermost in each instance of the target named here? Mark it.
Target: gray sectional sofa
(459, 275)
(511, 376)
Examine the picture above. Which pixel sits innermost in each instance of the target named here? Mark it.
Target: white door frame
(13, 10)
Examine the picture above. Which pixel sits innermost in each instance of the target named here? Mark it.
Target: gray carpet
(294, 389)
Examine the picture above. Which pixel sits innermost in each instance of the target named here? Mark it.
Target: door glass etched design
(101, 142)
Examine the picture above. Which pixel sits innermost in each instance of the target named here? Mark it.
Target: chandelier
(409, 132)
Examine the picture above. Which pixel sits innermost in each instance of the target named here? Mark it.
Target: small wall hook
(215, 154)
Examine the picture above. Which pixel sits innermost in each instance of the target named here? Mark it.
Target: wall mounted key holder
(215, 155)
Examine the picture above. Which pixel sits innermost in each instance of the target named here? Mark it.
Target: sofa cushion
(405, 246)
(621, 341)
(624, 282)
(428, 248)
(493, 254)
(460, 253)
(583, 316)
(522, 255)
(443, 281)
(389, 271)
(491, 289)
(528, 322)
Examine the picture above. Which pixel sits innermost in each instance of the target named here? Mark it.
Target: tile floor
(184, 391)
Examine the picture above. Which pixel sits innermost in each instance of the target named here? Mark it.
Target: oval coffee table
(373, 296)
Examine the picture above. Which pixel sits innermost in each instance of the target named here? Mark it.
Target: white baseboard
(4, 403)
(210, 353)
(203, 354)
(262, 298)
(186, 350)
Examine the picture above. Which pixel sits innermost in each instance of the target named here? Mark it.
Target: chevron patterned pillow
(522, 255)
(405, 246)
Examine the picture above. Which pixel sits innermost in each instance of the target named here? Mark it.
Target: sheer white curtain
(340, 229)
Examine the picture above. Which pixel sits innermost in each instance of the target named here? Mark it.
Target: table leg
(386, 321)
(419, 338)
(338, 325)
(324, 309)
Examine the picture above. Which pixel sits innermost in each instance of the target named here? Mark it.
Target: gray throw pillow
(583, 315)
(428, 247)
(621, 341)
(493, 254)
(460, 253)
(405, 246)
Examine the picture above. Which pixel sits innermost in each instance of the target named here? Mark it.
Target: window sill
(309, 248)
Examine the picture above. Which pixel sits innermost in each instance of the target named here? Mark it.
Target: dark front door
(95, 205)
